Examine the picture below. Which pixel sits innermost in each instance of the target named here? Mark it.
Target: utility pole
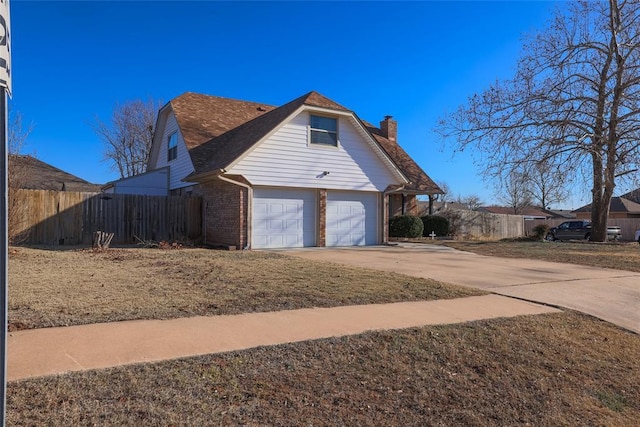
(5, 89)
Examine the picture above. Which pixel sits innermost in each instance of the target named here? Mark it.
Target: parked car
(579, 230)
(637, 238)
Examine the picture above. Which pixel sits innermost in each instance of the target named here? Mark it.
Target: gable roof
(34, 174)
(217, 131)
(618, 204)
(221, 151)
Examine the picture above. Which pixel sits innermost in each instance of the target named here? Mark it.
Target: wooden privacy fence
(484, 225)
(627, 225)
(69, 218)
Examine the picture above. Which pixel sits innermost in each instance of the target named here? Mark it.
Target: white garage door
(283, 218)
(352, 218)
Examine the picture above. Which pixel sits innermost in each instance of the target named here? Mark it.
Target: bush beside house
(405, 226)
(436, 224)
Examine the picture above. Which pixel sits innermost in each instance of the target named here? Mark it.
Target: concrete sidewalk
(40, 352)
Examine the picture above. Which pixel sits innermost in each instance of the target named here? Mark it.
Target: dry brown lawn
(70, 287)
(550, 370)
(621, 256)
(553, 370)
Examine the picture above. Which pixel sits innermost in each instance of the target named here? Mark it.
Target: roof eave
(156, 134)
(203, 176)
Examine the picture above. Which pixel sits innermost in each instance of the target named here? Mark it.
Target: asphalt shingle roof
(618, 204)
(34, 174)
(420, 182)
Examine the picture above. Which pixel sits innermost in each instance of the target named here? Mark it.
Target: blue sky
(73, 61)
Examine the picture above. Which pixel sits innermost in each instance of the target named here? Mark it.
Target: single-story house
(620, 207)
(529, 213)
(307, 173)
(29, 173)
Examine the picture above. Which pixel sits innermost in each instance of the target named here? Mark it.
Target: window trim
(172, 151)
(311, 131)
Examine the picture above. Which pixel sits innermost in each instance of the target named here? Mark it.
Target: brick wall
(322, 217)
(395, 205)
(224, 217)
(385, 220)
(191, 190)
(410, 205)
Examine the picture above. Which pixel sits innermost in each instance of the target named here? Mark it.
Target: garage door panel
(283, 218)
(352, 218)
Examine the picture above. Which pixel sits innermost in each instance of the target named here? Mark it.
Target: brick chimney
(389, 128)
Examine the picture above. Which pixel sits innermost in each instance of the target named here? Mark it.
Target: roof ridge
(204, 95)
(316, 99)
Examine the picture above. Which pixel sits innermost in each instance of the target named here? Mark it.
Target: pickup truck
(579, 230)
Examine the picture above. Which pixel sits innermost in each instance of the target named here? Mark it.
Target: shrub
(405, 226)
(437, 224)
(456, 221)
(540, 231)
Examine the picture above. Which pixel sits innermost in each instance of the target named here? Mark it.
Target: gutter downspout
(249, 205)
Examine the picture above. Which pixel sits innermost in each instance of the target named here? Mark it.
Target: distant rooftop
(37, 175)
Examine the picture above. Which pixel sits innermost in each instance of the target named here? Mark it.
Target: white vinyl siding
(283, 218)
(286, 159)
(181, 166)
(352, 218)
(152, 183)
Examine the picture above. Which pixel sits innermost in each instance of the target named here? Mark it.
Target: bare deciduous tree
(471, 202)
(515, 192)
(127, 139)
(17, 135)
(574, 102)
(546, 185)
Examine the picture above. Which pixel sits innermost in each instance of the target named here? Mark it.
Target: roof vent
(262, 109)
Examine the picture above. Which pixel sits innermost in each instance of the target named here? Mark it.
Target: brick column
(322, 217)
(385, 218)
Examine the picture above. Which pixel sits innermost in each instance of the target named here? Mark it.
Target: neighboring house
(307, 173)
(559, 213)
(440, 207)
(529, 213)
(633, 195)
(33, 174)
(620, 207)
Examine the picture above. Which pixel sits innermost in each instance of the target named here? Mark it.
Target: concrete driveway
(611, 295)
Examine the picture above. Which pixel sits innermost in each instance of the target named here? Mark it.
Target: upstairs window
(172, 152)
(324, 130)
